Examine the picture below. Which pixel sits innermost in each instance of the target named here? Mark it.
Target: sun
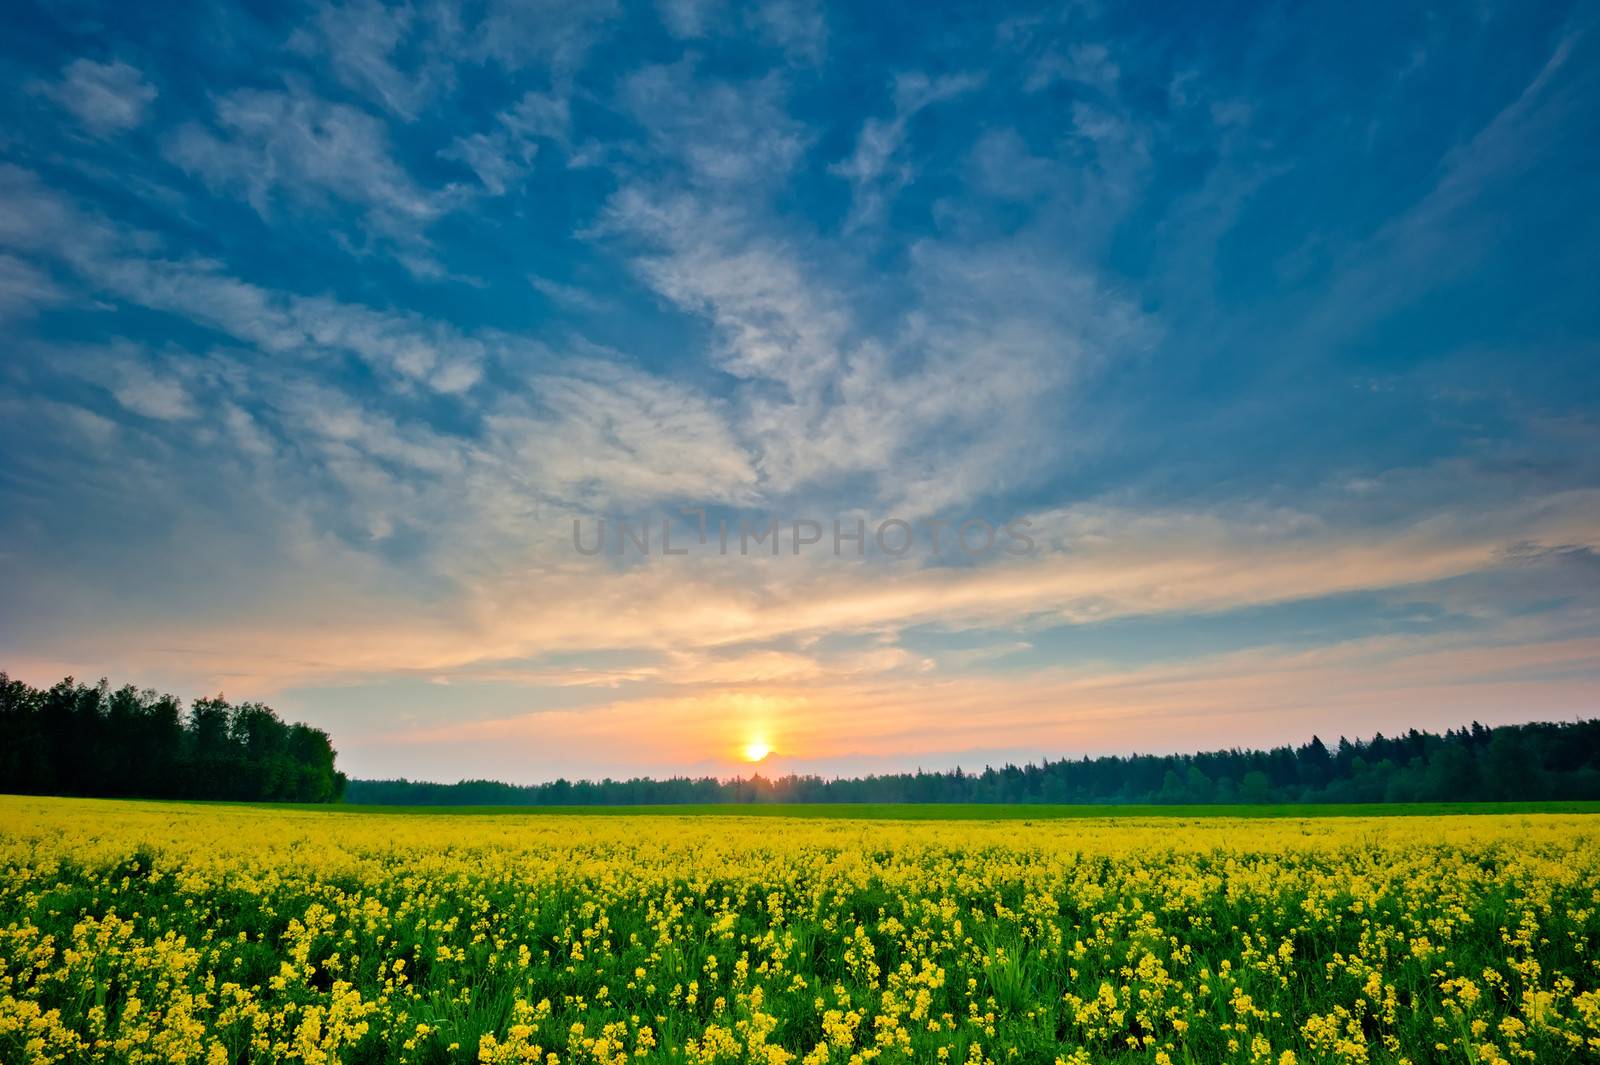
(756, 750)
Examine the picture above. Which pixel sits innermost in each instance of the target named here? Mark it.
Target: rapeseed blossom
(165, 933)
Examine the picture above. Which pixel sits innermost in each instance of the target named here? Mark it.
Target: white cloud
(267, 142)
(556, 34)
(107, 98)
(601, 435)
(24, 288)
(875, 170)
(266, 145)
(405, 345)
(722, 133)
(35, 219)
(246, 433)
(494, 158)
(1003, 166)
(798, 27)
(508, 604)
(572, 297)
(362, 43)
(688, 18)
(1085, 64)
(539, 114)
(909, 403)
(582, 431)
(409, 348)
(503, 156)
(775, 323)
(145, 393)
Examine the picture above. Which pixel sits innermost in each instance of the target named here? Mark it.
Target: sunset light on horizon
(794, 532)
(657, 390)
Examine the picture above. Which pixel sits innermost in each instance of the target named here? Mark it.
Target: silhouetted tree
(72, 739)
(1538, 761)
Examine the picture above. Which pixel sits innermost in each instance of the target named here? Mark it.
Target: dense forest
(76, 739)
(1511, 762)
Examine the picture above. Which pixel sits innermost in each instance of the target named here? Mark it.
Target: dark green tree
(72, 739)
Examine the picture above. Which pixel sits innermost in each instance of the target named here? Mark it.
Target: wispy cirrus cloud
(877, 170)
(119, 262)
(722, 134)
(1443, 233)
(708, 256)
(541, 33)
(24, 288)
(502, 156)
(106, 98)
(270, 146)
(796, 28)
(1008, 327)
(367, 45)
(602, 436)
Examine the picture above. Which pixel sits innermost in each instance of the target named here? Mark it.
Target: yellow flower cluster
(156, 934)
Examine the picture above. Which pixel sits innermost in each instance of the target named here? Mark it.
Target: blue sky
(323, 322)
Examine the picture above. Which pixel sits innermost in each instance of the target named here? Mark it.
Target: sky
(1272, 329)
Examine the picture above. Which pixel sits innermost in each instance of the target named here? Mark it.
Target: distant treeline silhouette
(74, 739)
(1474, 764)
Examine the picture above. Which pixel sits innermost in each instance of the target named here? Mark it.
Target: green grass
(988, 811)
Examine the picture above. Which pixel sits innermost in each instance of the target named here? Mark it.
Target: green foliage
(1534, 762)
(73, 739)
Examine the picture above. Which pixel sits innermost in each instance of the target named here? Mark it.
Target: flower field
(167, 933)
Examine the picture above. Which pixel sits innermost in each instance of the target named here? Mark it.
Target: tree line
(1474, 764)
(79, 739)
